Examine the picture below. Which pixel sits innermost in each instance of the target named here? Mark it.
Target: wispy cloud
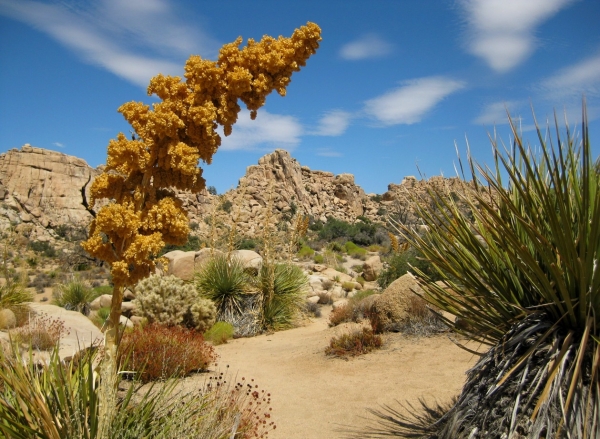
(58, 144)
(502, 31)
(267, 130)
(574, 81)
(410, 103)
(327, 152)
(495, 112)
(367, 46)
(333, 123)
(135, 39)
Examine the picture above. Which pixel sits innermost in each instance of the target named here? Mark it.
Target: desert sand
(319, 397)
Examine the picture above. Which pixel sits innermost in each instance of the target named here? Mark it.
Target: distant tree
(211, 190)
(142, 214)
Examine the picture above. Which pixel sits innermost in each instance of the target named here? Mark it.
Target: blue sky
(394, 85)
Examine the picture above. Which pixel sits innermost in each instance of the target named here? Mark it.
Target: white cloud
(135, 39)
(409, 104)
(58, 144)
(495, 113)
(367, 46)
(333, 123)
(502, 31)
(266, 130)
(326, 152)
(575, 81)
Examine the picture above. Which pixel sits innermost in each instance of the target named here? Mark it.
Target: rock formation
(42, 189)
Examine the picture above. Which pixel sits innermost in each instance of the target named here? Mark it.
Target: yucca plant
(74, 295)
(522, 276)
(224, 281)
(283, 291)
(56, 401)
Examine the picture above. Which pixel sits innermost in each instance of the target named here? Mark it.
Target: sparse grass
(219, 333)
(306, 252)
(357, 342)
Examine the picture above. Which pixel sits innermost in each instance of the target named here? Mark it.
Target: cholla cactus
(170, 301)
(203, 314)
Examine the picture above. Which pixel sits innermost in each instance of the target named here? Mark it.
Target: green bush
(306, 252)
(283, 287)
(44, 248)
(354, 250)
(318, 259)
(399, 264)
(219, 333)
(74, 295)
(248, 244)
(193, 244)
(169, 301)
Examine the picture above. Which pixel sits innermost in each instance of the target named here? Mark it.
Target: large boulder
(102, 301)
(80, 333)
(335, 275)
(371, 268)
(390, 309)
(251, 260)
(181, 264)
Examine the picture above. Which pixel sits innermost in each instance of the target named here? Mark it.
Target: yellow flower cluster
(171, 137)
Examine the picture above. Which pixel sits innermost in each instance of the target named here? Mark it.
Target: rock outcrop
(42, 189)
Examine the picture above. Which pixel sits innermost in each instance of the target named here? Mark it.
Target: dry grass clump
(241, 410)
(357, 342)
(41, 332)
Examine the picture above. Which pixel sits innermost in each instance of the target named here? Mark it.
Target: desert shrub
(305, 252)
(211, 190)
(357, 342)
(224, 281)
(341, 269)
(400, 264)
(421, 321)
(363, 294)
(248, 244)
(40, 281)
(43, 247)
(354, 250)
(344, 314)
(170, 301)
(193, 243)
(327, 284)
(159, 352)
(101, 316)
(318, 259)
(348, 286)
(219, 333)
(226, 206)
(14, 296)
(355, 309)
(283, 287)
(103, 289)
(313, 309)
(41, 332)
(74, 295)
(361, 280)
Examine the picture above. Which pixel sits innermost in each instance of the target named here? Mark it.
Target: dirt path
(315, 396)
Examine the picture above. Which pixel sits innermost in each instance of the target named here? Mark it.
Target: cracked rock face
(41, 189)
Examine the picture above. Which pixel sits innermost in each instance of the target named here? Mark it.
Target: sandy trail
(315, 396)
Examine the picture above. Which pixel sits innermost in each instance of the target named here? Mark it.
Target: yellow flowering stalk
(142, 214)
